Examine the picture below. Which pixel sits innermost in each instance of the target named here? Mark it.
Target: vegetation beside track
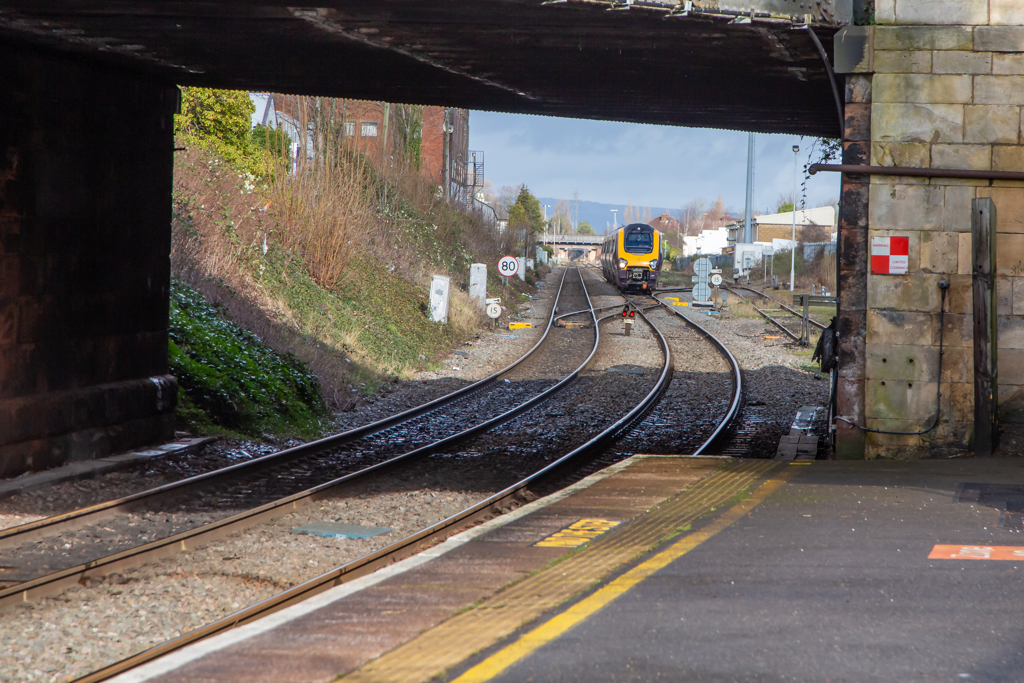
(332, 265)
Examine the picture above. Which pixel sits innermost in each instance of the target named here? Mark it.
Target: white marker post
(478, 284)
(439, 289)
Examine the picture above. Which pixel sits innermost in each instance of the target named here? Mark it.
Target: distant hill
(600, 215)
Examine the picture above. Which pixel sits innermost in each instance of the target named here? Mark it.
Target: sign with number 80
(508, 266)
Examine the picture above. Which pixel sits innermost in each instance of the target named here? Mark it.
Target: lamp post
(615, 219)
(792, 254)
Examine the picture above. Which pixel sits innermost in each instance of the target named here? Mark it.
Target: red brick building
(444, 156)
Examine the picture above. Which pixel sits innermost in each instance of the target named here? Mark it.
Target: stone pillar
(85, 199)
(947, 91)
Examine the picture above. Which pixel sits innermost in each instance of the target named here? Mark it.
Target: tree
(785, 202)
(526, 213)
(224, 115)
(560, 224)
(585, 229)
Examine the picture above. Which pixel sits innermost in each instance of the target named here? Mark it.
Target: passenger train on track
(632, 257)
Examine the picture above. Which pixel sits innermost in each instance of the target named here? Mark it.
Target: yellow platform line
(456, 639)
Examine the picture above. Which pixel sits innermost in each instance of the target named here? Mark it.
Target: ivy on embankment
(229, 378)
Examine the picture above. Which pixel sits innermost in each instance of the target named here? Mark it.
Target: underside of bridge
(87, 93)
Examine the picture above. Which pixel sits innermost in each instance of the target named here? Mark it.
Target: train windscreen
(639, 242)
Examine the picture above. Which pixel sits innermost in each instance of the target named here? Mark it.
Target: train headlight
(622, 264)
(654, 264)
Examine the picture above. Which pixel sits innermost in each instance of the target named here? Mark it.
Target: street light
(615, 219)
(792, 254)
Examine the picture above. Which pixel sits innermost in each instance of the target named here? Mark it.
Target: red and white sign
(508, 266)
(889, 255)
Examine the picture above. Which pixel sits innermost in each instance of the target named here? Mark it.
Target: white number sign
(508, 266)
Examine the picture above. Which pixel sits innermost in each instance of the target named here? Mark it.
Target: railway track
(572, 462)
(268, 487)
(768, 314)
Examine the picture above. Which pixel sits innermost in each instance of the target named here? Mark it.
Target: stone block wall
(946, 91)
(85, 198)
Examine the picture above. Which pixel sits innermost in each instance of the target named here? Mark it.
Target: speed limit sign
(508, 266)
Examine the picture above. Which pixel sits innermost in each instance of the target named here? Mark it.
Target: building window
(350, 129)
(369, 129)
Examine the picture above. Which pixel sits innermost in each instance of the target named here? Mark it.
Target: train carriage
(632, 257)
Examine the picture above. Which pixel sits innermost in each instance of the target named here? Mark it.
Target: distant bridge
(572, 240)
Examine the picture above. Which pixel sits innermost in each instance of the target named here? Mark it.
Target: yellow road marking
(544, 634)
(520, 326)
(453, 641)
(577, 534)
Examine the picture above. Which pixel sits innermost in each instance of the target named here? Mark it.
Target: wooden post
(986, 367)
(805, 331)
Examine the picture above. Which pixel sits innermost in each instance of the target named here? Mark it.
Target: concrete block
(922, 88)
(440, 288)
(1009, 12)
(999, 39)
(942, 12)
(973, 157)
(1009, 254)
(957, 364)
(1017, 296)
(906, 207)
(1011, 334)
(1007, 64)
(992, 124)
(893, 361)
(957, 330)
(959, 299)
(885, 11)
(960, 62)
(963, 258)
(904, 292)
(1007, 158)
(1009, 210)
(956, 210)
(915, 154)
(999, 90)
(906, 61)
(478, 284)
(924, 38)
(1011, 366)
(1004, 296)
(923, 123)
(899, 327)
(958, 401)
(939, 252)
(900, 399)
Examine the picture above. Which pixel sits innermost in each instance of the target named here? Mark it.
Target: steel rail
(792, 335)
(798, 314)
(737, 380)
(496, 504)
(25, 533)
(56, 582)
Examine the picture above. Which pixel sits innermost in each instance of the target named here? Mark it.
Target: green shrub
(231, 379)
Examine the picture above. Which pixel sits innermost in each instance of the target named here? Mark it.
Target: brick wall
(85, 185)
(946, 92)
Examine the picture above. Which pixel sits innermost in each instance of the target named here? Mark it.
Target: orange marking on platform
(977, 552)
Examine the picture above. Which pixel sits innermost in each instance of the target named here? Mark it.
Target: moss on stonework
(229, 378)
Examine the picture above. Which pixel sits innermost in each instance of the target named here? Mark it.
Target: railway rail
(292, 466)
(767, 315)
(566, 465)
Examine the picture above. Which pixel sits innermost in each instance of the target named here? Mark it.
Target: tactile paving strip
(453, 641)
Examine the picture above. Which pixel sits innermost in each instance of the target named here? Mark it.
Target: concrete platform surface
(689, 570)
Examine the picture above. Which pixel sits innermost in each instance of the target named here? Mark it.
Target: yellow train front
(632, 256)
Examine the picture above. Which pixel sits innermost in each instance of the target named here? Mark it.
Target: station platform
(683, 569)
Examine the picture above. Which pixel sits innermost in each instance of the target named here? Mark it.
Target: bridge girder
(747, 65)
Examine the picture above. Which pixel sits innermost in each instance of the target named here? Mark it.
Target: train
(632, 257)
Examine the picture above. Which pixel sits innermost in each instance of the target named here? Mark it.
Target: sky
(658, 166)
